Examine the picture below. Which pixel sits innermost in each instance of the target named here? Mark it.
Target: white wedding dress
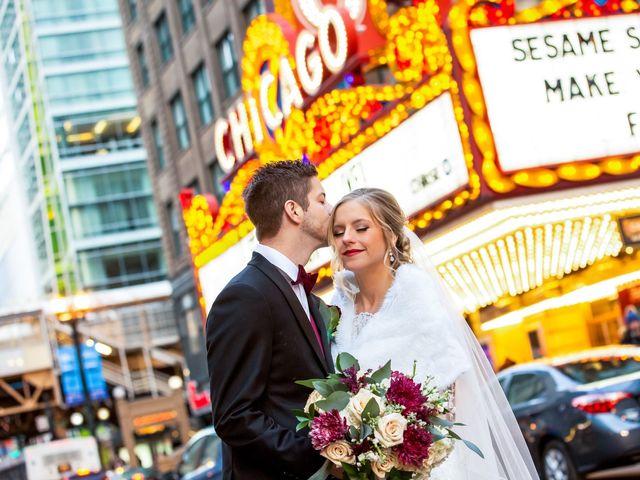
(415, 324)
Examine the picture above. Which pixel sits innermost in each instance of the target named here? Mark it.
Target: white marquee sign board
(421, 162)
(561, 91)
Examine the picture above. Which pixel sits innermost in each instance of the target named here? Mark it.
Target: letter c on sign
(226, 160)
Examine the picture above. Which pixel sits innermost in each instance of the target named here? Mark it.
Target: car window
(594, 370)
(503, 383)
(526, 387)
(211, 452)
(190, 457)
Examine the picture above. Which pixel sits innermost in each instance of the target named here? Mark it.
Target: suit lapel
(322, 328)
(276, 277)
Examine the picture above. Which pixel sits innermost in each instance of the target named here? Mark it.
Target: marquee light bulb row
(527, 257)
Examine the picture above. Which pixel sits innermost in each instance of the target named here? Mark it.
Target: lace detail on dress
(359, 321)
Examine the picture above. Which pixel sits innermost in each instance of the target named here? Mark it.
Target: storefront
(509, 138)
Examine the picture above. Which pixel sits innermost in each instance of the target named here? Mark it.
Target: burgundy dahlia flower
(404, 391)
(327, 428)
(414, 449)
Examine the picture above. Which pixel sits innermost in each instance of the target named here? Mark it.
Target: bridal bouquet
(378, 425)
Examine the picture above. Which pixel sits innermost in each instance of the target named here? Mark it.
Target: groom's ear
(293, 211)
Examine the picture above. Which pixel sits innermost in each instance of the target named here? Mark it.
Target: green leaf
(473, 447)
(323, 388)
(453, 434)
(337, 385)
(372, 410)
(442, 422)
(302, 425)
(298, 412)
(366, 431)
(382, 373)
(335, 401)
(437, 434)
(308, 383)
(346, 360)
(349, 470)
(354, 433)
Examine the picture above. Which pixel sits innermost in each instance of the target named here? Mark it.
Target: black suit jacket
(259, 342)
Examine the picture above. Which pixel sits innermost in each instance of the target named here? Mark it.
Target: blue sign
(70, 378)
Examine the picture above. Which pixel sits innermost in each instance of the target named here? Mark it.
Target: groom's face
(315, 222)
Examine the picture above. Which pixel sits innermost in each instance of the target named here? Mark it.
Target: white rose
(390, 429)
(353, 410)
(313, 398)
(384, 464)
(338, 452)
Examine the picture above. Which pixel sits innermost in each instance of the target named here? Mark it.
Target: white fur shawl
(411, 325)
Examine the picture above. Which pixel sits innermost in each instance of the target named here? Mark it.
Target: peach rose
(384, 464)
(338, 452)
(353, 410)
(313, 398)
(390, 429)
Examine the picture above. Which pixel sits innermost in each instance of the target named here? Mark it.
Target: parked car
(580, 412)
(201, 459)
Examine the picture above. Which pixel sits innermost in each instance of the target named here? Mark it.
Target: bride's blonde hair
(386, 212)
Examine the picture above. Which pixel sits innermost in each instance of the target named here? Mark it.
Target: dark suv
(580, 412)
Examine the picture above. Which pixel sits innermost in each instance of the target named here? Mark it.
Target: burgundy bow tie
(308, 280)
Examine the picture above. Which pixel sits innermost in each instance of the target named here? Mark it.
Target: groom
(264, 331)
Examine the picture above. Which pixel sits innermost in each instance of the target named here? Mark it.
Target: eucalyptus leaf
(382, 373)
(308, 383)
(442, 422)
(366, 431)
(335, 401)
(349, 469)
(346, 360)
(323, 388)
(337, 385)
(473, 447)
(300, 413)
(436, 434)
(372, 410)
(453, 434)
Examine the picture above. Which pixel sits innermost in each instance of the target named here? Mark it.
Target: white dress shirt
(289, 271)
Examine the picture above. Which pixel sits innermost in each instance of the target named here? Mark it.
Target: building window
(217, 174)
(164, 38)
(133, 10)
(252, 10)
(174, 223)
(180, 122)
(122, 265)
(228, 65)
(158, 145)
(202, 89)
(187, 15)
(142, 64)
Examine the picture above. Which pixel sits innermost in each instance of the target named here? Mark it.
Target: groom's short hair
(270, 188)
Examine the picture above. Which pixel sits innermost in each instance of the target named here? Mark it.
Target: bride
(395, 307)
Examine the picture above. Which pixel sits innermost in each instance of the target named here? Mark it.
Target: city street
(617, 473)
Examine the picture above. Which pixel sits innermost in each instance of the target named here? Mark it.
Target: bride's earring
(392, 257)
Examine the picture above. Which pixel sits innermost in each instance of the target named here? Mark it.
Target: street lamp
(70, 310)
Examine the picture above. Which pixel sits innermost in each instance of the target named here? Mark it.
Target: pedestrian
(632, 326)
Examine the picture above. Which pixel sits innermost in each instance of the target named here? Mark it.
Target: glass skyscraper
(77, 134)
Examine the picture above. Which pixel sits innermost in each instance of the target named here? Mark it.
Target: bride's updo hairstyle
(386, 212)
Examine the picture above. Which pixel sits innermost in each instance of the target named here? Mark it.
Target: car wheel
(557, 462)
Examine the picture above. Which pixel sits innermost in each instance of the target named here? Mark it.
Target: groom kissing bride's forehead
(264, 330)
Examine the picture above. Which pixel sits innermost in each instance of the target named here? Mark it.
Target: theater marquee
(562, 91)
